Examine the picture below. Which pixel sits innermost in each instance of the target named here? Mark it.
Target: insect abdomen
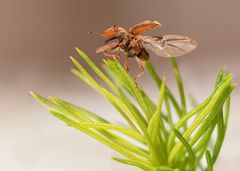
(143, 55)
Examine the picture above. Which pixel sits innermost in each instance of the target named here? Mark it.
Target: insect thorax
(128, 45)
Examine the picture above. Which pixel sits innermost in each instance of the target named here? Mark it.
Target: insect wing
(144, 26)
(112, 31)
(169, 45)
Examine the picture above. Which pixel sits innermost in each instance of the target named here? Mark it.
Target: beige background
(36, 38)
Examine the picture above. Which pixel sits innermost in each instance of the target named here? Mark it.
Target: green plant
(152, 141)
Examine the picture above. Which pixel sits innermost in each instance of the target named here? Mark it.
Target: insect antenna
(96, 33)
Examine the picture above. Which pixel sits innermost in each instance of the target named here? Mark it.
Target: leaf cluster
(151, 141)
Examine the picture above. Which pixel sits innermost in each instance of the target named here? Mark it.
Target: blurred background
(36, 39)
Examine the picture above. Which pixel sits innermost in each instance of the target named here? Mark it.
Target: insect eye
(164, 41)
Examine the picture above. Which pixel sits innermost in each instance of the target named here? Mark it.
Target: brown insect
(135, 45)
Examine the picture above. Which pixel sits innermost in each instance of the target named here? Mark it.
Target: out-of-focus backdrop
(36, 39)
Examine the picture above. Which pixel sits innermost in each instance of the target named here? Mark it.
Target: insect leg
(108, 54)
(118, 53)
(126, 64)
(141, 66)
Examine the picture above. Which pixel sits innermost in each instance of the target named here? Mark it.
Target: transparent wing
(169, 45)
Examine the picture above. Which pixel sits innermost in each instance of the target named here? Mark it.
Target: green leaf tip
(31, 93)
(72, 58)
(74, 71)
(77, 49)
(80, 52)
(35, 95)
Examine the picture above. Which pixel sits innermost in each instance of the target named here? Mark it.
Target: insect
(132, 43)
